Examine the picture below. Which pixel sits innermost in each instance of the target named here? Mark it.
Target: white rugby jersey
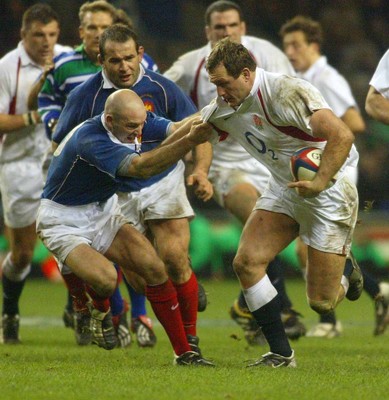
(17, 70)
(380, 79)
(190, 74)
(272, 122)
(331, 84)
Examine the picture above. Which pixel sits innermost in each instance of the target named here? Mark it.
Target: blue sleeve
(180, 105)
(102, 153)
(74, 112)
(149, 63)
(155, 130)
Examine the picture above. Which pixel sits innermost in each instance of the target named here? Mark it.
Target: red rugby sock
(163, 300)
(187, 294)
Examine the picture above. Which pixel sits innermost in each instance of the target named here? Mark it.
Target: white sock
(260, 294)
(10, 271)
(345, 283)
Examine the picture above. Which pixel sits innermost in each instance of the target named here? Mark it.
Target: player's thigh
(92, 267)
(171, 236)
(265, 234)
(133, 252)
(324, 273)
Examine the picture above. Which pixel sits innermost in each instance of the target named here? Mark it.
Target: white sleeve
(338, 95)
(180, 73)
(5, 87)
(380, 79)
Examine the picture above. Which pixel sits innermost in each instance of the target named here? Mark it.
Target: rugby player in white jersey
(377, 100)
(271, 116)
(24, 145)
(236, 176)
(302, 38)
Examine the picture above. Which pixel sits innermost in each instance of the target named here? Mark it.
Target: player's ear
(243, 28)
(141, 52)
(207, 34)
(246, 73)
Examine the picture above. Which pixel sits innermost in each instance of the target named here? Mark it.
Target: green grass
(49, 365)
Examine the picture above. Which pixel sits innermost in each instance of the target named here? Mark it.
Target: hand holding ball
(304, 164)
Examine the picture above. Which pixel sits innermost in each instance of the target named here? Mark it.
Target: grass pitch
(49, 365)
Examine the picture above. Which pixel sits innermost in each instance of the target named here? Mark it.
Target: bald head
(124, 102)
(125, 115)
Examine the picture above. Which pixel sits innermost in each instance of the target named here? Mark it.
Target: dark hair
(39, 12)
(117, 33)
(96, 6)
(234, 56)
(222, 6)
(312, 29)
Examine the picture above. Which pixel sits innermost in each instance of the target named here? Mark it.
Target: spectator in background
(23, 148)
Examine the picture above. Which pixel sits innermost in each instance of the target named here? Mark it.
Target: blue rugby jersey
(70, 70)
(159, 94)
(84, 166)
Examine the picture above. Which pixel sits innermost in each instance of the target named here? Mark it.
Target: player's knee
(106, 284)
(241, 265)
(22, 258)
(321, 306)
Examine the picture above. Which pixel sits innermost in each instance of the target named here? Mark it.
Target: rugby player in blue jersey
(80, 222)
(162, 205)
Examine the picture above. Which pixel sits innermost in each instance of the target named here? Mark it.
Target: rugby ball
(305, 162)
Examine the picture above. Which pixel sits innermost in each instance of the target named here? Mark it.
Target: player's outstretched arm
(165, 155)
(377, 106)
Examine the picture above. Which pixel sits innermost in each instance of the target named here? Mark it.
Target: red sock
(77, 290)
(187, 294)
(101, 303)
(163, 300)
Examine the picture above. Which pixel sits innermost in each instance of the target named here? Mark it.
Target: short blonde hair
(96, 6)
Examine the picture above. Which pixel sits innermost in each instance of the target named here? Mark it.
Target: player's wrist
(30, 118)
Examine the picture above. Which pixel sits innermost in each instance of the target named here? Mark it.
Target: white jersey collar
(310, 73)
(25, 58)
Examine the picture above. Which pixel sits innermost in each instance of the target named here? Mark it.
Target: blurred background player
(69, 71)
(158, 205)
(377, 106)
(236, 176)
(302, 39)
(377, 99)
(23, 148)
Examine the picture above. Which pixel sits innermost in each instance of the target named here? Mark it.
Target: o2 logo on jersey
(259, 145)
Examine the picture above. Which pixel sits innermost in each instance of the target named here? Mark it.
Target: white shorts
(224, 178)
(165, 199)
(21, 184)
(63, 228)
(327, 221)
